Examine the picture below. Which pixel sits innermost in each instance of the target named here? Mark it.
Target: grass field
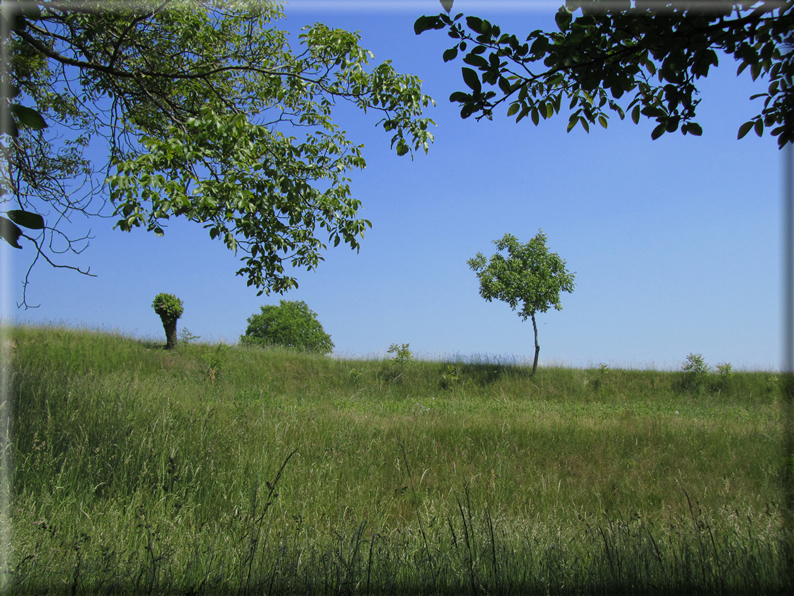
(215, 469)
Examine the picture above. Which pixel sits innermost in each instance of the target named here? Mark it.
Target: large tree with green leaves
(637, 57)
(529, 277)
(205, 111)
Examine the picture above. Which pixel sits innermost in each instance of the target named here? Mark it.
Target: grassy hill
(240, 470)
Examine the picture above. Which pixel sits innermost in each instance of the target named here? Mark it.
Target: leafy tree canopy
(205, 111)
(169, 308)
(641, 57)
(529, 278)
(291, 324)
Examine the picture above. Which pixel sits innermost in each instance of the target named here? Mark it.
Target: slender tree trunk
(537, 347)
(170, 332)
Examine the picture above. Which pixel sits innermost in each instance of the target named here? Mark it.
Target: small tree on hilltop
(530, 275)
(170, 308)
(291, 324)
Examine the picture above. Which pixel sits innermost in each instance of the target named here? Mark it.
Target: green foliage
(10, 231)
(695, 371)
(168, 306)
(291, 324)
(614, 57)
(402, 353)
(696, 365)
(725, 370)
(725, 375)
(601, 379)
(207, 112)
(772, 384)
(354, 375)
(450, 377)
(530, 277)
(186, 337)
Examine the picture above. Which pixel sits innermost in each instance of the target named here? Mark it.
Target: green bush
(695, 371)
(402, 353)
(291, 324)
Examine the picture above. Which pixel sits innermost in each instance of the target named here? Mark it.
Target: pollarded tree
(170, 308)
(530, 277)
(291, 324)
(205, 112)
(642, 57)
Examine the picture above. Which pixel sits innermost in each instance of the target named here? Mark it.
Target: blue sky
(676, 243)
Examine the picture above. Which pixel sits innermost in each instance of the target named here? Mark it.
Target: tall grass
(223, 469)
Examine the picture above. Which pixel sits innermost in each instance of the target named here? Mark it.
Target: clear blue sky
(676, 243)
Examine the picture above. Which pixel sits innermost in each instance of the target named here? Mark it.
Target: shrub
(725, 372)
(402, 353)
(185, 336)
(290, 325)
(214, 360)
(695, 371)
(451, 377)
(169, 308)
(600, 380)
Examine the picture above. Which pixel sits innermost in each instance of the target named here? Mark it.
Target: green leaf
(659, 131)
(744, 129)
(26, 219)
(475, 24)
(539, 46)
(563, 18)
(10, 232)
(535, 116)
(513, 109)
(602, 121)
(451, 54)
(29, 117)
(471, 79)
(476, 60)
(694, 129)
(759, 127)
(635, 114)
(459, 97)
(425, 23)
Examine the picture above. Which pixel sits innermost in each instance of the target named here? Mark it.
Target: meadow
(216, 469)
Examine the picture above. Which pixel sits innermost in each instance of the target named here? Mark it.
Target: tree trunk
(170, 332)
(537, 347)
